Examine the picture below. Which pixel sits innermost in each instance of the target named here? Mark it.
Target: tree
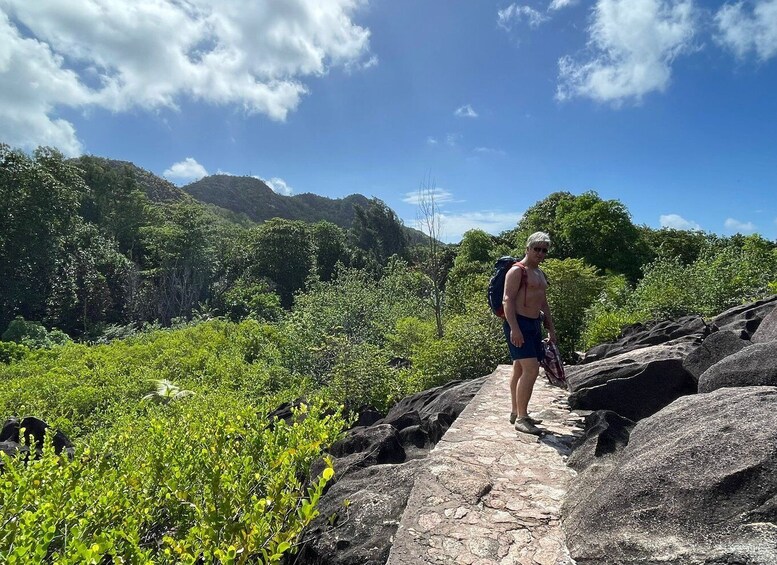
(283, 251)
(430, 223)
(670, 242)
(542, 216)
(376, 235)
(475, 246)
(180, 259)
(39, 214)
(589, 228)
(116, 204)
(329, 241)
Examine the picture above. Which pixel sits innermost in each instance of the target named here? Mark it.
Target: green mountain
(156, 188)
(245, 199)
(252, 197)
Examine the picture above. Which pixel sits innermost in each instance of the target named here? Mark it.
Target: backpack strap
(524, 280)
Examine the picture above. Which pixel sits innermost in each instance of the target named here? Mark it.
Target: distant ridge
(252, 197)
(156, 188)
(246, 199)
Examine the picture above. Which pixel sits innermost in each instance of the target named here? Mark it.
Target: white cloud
(452, 139)
(153, 53)
(489, 151)
(743, 32)
(677, 222)
(441, 196)
(560, 4)
(515, 14)
(32, 83)
(734, 225)
(279, 186)
(431, 140)
(465, 111)
(633, 44)
(455, 225)
(188, 170)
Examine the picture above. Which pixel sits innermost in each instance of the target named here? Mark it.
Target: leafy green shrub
(359, 374)
(607, 316)
(254, 300)
(33, 334)
(80, 387)
(573, 286)
(169, 486)
(473, 346)
(409, 335)
(354, 306)
(11, 351)
(723, 275)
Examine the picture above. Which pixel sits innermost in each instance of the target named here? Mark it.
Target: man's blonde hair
(538, 237)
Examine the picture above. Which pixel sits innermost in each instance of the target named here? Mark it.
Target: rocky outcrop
(606, 433)
(697, 483)
(715, 347)
(34, 435)
(767, 330)
(635, 384)
(358, 517)
(745, 319)
(753, 366)
(375, 469)
(646, 334)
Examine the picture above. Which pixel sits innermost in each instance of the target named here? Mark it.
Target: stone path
(488, 494)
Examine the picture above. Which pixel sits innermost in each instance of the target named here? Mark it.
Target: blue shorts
(531, 328)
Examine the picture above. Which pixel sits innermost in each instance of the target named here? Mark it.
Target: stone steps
(488, 494)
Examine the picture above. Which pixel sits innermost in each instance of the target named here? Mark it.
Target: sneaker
(525, 426)
(514, 416)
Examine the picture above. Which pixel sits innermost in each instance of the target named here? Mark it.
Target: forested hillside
(258, 201)
(158, 333)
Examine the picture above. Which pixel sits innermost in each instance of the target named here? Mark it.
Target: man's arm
(512, 285)
(548, 320)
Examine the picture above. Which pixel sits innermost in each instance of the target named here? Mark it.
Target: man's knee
(530, 368)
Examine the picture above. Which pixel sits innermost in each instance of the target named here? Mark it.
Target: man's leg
(530, 368)
(517, 369)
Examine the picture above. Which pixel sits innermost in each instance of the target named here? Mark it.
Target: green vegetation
(158, 333)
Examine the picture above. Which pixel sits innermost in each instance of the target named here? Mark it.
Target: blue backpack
(496, 286)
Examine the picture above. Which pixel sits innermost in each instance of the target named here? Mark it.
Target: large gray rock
(646, 334)
(362, 532)
(635, 384)
(767, 331)
(716, 346)
(606, 433)
(697, 484)
(375, 469)
(745, 319)
(752, 366)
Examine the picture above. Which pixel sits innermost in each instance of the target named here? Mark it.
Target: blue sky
(669, 106)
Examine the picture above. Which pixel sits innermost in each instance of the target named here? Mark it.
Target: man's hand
(516, 338)
(552, 336)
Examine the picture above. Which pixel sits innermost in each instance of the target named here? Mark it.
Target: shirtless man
(524, 302)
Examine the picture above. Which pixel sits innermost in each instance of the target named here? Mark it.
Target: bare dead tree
(430, 222)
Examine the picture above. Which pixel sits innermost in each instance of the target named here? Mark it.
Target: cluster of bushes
(166, 485)
(722, 275)
(165, 478)
(202, 475)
